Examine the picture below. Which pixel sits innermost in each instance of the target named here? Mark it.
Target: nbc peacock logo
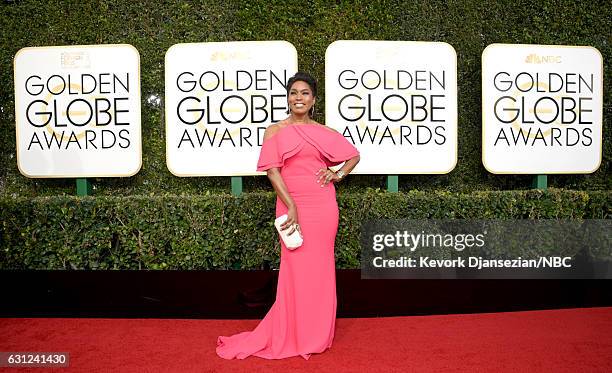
(534, 58)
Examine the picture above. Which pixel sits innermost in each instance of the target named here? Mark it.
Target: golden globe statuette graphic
(542, 109)
(77, 111)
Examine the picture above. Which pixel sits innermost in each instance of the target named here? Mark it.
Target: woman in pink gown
(296, 154)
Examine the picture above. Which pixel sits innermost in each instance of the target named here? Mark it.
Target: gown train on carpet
(302, 319)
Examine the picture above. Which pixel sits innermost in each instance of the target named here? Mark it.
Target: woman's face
(300, 98)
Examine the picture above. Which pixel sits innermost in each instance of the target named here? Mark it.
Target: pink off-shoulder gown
(302, 319)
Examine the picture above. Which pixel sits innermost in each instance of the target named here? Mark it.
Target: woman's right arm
(281, 189)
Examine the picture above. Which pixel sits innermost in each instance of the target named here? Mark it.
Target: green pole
(392, 183)
(236, 185)
(83, 187)
(540, 182)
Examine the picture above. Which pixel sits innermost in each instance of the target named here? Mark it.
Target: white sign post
(396, 101)
(220, 97)
(541, 109)
(77, 111)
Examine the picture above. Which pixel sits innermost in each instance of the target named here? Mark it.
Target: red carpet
(568, 340)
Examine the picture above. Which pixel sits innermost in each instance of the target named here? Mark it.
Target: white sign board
(220, 97)
(77, 111)
(541, 109)
(396, 101)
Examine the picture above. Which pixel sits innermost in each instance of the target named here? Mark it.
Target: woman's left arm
(326, 175)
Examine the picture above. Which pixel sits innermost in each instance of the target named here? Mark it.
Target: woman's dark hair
(306, 78)
(303, 77)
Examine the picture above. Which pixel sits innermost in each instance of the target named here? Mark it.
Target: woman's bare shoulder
(282, 123)
(271, 130)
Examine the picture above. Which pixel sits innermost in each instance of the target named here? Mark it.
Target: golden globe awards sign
(541, 109)
(396, 101)
(77, 111)
(220, 97)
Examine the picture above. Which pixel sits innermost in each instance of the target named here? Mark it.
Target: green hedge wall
(224, 231)
(152, 27)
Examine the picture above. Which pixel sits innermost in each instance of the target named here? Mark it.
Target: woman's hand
(292, 221)
(325, 175)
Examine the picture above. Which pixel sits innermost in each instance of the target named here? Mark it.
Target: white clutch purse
(293, 240)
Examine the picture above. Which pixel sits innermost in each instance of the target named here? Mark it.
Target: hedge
(223, 231)
(311, 26)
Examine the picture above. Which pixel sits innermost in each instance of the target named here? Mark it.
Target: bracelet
(340, 174)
